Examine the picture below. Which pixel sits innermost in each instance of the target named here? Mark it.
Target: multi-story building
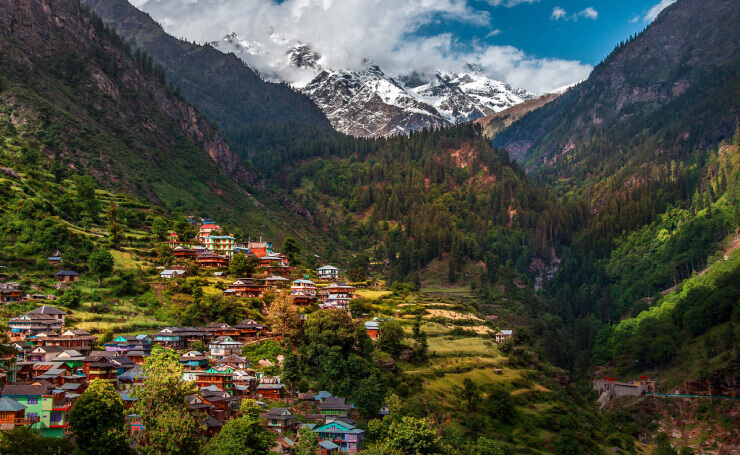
(246, 287)
(328, 273)
(220, 244)
(224, 346)
(348, 437)
(48, 410)
(279, 420)
(44, 319)
(206, 229)
(209, 260)
(10, 292)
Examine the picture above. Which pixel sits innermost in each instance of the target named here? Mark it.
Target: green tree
(412, 436)
(391, 336)
(469, 392)
(499, 404)
(115, 231)
(101, 264)
(72, 297)
(164, 253)
(159, 228)
(240, 266)
(168, 425)
(243, 435)
(488, 447)
(284, 316)
(369, 395)
(97, 421)
(308, 442)
(291, 250)
(25, 441)
(291, 370)
(86, 196)
(663, 445)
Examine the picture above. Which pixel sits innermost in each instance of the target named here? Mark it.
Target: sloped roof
(335, 403)
(24, 390)
(48, 309)
(66, 273)
(10, 405)
(328, 445)
(327, 267)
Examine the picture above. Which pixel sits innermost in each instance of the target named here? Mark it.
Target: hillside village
(52, 361)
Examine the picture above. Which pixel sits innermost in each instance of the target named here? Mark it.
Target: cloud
(588, 13)
(493, 33)
(655, 10)
(348, 33)
(510, 3)
(558, 13)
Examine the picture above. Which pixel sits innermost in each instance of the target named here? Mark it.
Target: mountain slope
(75, 88)
(680, 50)
(494, 123)
(221, 85)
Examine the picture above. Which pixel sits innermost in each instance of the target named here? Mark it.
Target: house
(209, 260)
(179, 337)
(181, 252)
(46, 408)
(249, 328)
(223, 379)
(24, 348)
(373, 329)
(206, 229)
(194, 361)
(10, 292)
(31, 324)
(334, 408)
(136, 356)
(328, 273)
(307, 287)
(55, 258)
(301, 299)
(271, 388)
(327, 448)
(348, 437)
(261, 248)
(170, 274)
(278, 261)
(234, 361)
(67, 276)
(125, 343)
(276, 281)
(224, 346)
(220, 244)
(284, 446)
(246, 287)
(50, 311)
(77, 339)
(12, 414)
(503, 335)
(279, 420)
(73, 359)
(221, 329)
(44, 353)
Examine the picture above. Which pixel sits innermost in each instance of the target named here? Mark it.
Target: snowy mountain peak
(368, 102)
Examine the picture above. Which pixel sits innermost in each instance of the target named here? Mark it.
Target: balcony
(25, 421)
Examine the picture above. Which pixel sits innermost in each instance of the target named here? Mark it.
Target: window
(56, 417)
(33, 400)
(32, 416)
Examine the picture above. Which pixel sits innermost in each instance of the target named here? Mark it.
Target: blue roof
(328, 445)
(322, 395)
(66, 273)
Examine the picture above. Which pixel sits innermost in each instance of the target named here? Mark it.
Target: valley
(197, 258)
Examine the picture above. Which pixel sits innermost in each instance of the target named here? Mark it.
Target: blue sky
(539, 45)
(531, 27)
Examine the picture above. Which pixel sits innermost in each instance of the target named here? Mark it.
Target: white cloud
(588, 13)
(346, 32)
(494, 33)
(655, 10)
(509, 3)
(560, 13)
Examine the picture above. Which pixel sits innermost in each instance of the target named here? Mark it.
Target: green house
(48, 410)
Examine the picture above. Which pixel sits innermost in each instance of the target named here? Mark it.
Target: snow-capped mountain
(368, 102)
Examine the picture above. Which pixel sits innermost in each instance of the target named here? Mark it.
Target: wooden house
(223, 379)
(67, 276)
(10, 292)
(221, 329)
(210, 260)
(279, 420)
(246, 287)
(504, 335)
(181, 252)
(271, 388)
(224, 346)
(249, 328)
(194, 361)
(373, 329)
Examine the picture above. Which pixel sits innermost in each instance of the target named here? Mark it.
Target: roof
(24, 390)
(210, 226)
(304, 282)
(70, 386)
(276, 278)
(327, 267)
(234, 358)
(507, 332)
(335, 403)
(270, 386)
(10, 405)
(372, 325)
(66, 273)
(249, 324)
(328, 445)
(322, 395)
(279, 412)
(48, 309)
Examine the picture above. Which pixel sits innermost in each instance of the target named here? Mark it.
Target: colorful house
(209, 260)
(194, 361)
(10, 292)
(206, 229)
(48, 410)
(224, 346)
(179, 337)
(328, 273)
(348, 437)
(249, 328)
(246, 287)
(12, 414)
(220, 244)
(373, 329)
(334, 408)
(221, 378)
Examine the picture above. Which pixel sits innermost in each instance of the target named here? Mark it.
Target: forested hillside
(97, 107)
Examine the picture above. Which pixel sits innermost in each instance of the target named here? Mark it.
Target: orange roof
(210, 226)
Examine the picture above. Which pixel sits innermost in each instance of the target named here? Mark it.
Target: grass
(480, 376)
(372, 294)
(462, 346)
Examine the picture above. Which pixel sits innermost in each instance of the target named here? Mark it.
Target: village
(55, 363)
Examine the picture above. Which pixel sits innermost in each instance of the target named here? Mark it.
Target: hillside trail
(734, 245)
